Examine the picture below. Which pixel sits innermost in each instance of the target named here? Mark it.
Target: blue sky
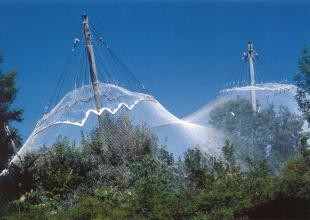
(184, 52)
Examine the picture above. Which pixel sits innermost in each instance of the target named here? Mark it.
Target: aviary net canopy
(77, 112)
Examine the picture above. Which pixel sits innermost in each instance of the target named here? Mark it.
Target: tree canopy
(132, 177)
(302, 80)
(270, 134)
(8, 114)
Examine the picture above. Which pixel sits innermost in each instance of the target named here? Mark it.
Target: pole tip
(84, 16)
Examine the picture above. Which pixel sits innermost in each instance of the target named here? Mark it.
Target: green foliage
(60, 169)
(119, 172)
(8, 114)
(32, 205)
(20, 180)
(121, 176)
(100, 170)
(89, 207)
(302, 80)
(229, 156)
(154, 190)
(296, 173)
(196, 167)
(270, 134)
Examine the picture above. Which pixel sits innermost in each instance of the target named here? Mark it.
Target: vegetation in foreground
(122, 173)
(125, 175)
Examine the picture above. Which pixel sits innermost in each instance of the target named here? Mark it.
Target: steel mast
(92, 64)
(250, 55)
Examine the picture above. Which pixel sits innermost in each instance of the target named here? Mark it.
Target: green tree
(302, 80)
(296, 173)
(8, 114)
(271, 134)
(155, 191)
(229, 156)
(60, 169)
(196, 167)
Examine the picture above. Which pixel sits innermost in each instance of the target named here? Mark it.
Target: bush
(132, 178)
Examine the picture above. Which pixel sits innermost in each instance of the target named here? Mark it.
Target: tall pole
(8, 133)
(250, 55)
(13, 144)
(92, 64)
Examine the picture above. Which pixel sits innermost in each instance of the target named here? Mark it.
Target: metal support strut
(249, 56)
(92, 65)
